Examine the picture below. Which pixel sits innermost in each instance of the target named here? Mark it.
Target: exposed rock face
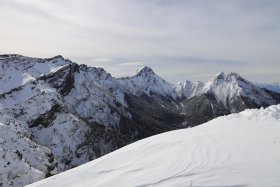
(63, 79)
(60, 114)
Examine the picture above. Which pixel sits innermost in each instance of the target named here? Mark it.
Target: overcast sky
(179, 39)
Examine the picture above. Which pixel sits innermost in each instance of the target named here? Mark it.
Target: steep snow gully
(236, 150)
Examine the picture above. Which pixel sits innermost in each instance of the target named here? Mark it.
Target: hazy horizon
(180, 39)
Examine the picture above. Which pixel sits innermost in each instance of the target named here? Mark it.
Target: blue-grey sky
(179, 39)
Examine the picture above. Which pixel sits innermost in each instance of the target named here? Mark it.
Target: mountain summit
(236, 93)
(226, 93)
(147, 82)
(145, 71)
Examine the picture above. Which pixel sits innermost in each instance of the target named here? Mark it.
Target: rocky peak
(229, 87)
(230, 81)
(227, 77)
(147, 82)
(145, 71)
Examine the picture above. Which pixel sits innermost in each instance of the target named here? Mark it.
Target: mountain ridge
(79, 113)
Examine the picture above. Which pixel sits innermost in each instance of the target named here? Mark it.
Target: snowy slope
(187, 89)
(147, 82)
(59, 109)
(236, 150)
(40, 110)
(22, 159)
(17, 70)
(230, 88)
(93, 95)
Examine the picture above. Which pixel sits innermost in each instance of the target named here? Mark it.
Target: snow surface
(236, 150)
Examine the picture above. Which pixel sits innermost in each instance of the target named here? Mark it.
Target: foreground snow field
(236, 150)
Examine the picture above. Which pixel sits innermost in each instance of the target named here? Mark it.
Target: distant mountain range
(56, 114)
(273, 87)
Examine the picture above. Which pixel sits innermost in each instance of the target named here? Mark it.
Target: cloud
(205, 36)
(133, 64)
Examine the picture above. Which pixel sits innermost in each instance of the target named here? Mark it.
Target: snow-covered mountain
(223, 94)
(147, 82)
(236, 150)
(228, 88)
(71, 114)
(22, 159)
(17, 70)
(56, 114)
(187, 89)
(66, 109)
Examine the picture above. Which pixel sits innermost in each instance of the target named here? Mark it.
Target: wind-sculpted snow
(271, 114)
(236, 150)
